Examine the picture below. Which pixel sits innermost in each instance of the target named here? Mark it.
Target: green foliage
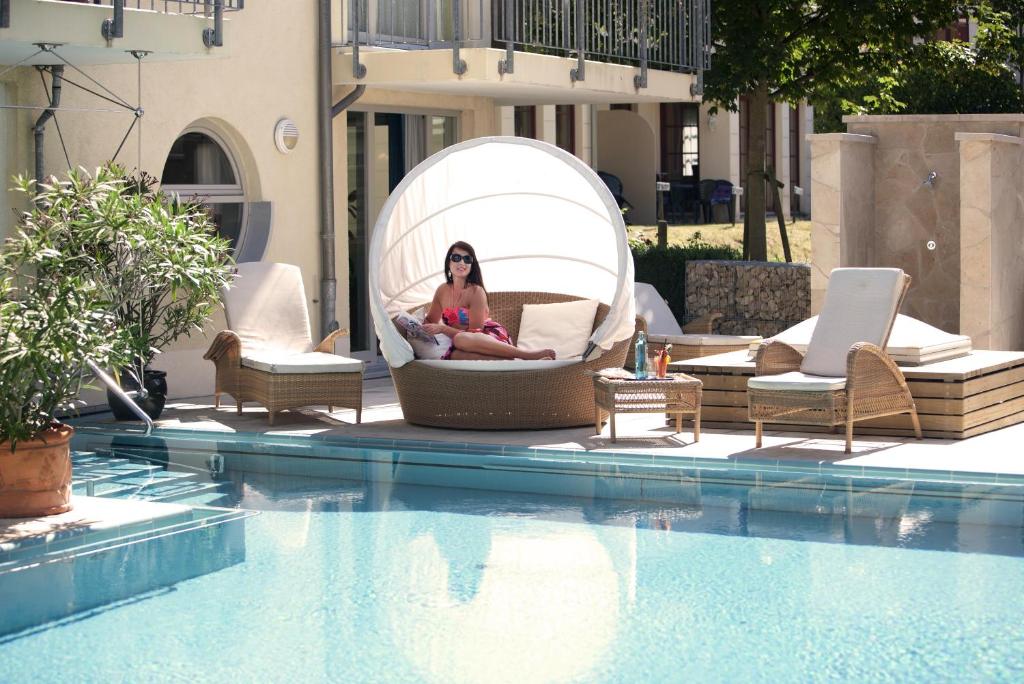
(940, 77)
(949, 79)
(665, 269)
(791, 50)
(158, 262)
(52, 318)
(805, 49)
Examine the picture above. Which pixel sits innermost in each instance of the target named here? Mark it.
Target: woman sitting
(459, 310)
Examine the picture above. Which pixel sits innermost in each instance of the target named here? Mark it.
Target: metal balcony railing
(114, 27)
(673, 35)
(201, 7)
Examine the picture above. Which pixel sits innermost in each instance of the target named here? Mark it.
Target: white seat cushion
(797, 381)
(860, 305)
(502, 365)
(311, 362)
(706, 340)
(565, 327)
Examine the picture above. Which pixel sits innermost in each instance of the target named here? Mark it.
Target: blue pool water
(377, 579)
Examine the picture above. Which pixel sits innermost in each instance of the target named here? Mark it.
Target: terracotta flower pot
(35, 479)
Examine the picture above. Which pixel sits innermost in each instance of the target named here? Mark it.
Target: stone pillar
(584, 139)
(507, 120)
(546, 123)
(842, 226)
(991, 251)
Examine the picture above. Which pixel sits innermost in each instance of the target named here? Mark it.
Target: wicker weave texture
(281, 391)
(680, 395)
(677, 396)
(875, 387)
(682, 352)
(505, 400)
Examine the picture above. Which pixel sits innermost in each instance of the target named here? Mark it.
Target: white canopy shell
(538, 217)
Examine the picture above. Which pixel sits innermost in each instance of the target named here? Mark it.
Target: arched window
(199, 168)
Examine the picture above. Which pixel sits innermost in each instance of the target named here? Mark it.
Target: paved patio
(998, 452)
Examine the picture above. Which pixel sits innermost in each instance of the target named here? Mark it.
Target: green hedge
(665, 269)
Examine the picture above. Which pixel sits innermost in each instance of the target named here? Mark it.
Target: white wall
(240, 92)
(782, 157)
(716, 144)
(806, 128)
(626, 149)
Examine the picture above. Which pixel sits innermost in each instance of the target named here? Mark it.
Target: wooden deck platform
(955, 399)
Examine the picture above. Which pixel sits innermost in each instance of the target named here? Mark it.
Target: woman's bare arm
(434, 314)
(477, 308)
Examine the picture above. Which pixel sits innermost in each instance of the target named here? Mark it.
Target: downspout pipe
(328, 280)
(39, 129)
(347, 101)
(326, 114)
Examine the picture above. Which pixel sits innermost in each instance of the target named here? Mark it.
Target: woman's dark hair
(476, 276)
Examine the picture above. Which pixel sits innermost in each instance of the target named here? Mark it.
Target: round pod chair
(546, 230)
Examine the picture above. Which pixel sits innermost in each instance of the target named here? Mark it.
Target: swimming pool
(368, 565)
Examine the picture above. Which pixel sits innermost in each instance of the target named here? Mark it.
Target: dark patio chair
(614, 184)
(717, 193)
(684, 198)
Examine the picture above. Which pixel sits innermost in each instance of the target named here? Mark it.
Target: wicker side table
(678, 394)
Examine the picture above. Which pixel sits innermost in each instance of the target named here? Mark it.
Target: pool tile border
(633, 458)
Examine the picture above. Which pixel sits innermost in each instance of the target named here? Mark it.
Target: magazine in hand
(414, 328)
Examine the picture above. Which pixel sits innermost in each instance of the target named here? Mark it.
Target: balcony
(108, 31)
(528, 50)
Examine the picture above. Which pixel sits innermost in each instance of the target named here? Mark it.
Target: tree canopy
(791, 50)
(943, 77)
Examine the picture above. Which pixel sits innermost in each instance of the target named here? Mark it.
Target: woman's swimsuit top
(455, 316)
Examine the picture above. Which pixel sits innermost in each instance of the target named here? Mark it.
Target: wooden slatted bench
(955, 399)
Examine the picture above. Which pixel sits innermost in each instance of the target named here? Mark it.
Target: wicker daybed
(546, 231)
(543, 395)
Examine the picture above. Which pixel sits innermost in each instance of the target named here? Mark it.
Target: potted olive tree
(52, 319)
(158, 261)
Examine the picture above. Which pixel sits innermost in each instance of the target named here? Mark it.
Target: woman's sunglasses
(464, 258)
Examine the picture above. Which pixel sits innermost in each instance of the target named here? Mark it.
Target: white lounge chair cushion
(797, 381)
(911, 343)
(502, 365)
(860, 305)
(266, 307)
(706, 340)
(653, 308)
(565, 327)
(311, 362)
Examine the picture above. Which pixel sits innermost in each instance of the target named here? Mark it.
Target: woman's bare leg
(480, 343)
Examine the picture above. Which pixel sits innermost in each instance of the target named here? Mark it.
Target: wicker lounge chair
(845, 375)
(693, 340)
(268, 355)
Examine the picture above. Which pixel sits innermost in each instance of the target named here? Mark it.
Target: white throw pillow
(565, 327)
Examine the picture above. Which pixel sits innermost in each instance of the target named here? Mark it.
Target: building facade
(224, 101)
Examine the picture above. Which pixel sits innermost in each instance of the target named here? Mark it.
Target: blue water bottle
(641, 356)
